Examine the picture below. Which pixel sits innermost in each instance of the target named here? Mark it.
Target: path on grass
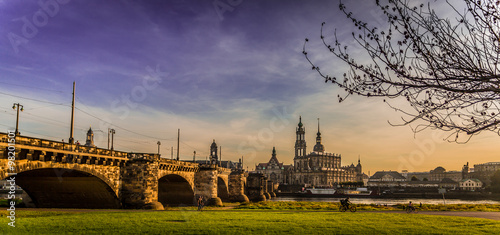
(475, 214)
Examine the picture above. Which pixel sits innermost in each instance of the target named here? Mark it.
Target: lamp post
(17, 105)
(109, 131)
(158, 143)
(112, 131)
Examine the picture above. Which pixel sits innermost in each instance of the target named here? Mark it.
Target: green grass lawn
(242, 222)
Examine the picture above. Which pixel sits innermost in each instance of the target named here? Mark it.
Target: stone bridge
(62, 175)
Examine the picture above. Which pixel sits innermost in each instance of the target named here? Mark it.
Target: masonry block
(255, 187)
(237, 186)
(205, 185)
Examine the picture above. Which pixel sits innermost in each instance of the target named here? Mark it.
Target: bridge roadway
(62, 175)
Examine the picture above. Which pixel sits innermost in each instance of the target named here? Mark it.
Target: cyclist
(410, 206)
(347, 202)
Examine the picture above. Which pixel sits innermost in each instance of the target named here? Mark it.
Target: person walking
(200, 203)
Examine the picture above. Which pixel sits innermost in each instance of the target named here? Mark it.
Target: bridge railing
(59, 145)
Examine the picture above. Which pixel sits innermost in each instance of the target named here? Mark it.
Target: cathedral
(319, 168)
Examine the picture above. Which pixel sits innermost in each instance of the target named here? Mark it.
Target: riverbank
(423, 195)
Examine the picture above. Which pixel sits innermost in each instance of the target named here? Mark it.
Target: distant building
(471, 184)
(485, 171)
(90, 138)
(395, 179)
(319, 168)
(386, 179)
(273, 170)
(436, 175)
(214, 159)
(231, 165)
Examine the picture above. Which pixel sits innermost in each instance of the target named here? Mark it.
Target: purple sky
(234, 74)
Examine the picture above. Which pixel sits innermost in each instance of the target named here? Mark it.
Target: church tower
(359, 170)
(214, 159)
(274, 160)
(318, 147)
(300, 142)
(90, 138)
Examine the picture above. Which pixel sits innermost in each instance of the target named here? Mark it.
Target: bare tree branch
(446, 69)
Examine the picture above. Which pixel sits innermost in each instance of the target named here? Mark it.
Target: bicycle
(411, 209)
(344, 208)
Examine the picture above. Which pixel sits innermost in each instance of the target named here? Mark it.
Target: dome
(439, 169)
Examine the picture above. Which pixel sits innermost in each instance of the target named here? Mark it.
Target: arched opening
(222, 191)
(174, 190)
(66, 188)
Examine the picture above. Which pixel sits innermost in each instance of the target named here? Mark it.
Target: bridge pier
(237, 186)
(205, 185)
(140, 184)
(255, 187)
(270, 188)
(264, 186)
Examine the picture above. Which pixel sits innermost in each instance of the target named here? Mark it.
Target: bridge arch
(222, 189)
(66, 185)
(174, 190)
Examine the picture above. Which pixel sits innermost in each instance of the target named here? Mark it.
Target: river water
(387, 201)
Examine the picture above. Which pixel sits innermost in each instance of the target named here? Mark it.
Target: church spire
(274, 159)
(318, 147)
(319, 133)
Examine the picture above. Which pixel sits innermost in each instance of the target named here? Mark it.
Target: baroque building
(274, 170)
(319, 168)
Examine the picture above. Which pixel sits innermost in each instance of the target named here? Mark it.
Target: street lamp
(17, 120)
(109, 131)
(112, 131)
(158, 143)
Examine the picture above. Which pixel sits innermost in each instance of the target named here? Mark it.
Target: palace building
(320, 168)
(274, 170)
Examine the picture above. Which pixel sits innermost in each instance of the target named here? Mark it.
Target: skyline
(237, 76)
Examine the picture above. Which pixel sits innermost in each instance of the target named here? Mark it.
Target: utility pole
(172, 152)
(158, 143)
(71, 139)
(112, 138)
(178, 138)
(17, 119)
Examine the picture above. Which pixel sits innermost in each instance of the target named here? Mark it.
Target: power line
(32, 132)
(39, 88)
(133, 132)
(36, 100)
